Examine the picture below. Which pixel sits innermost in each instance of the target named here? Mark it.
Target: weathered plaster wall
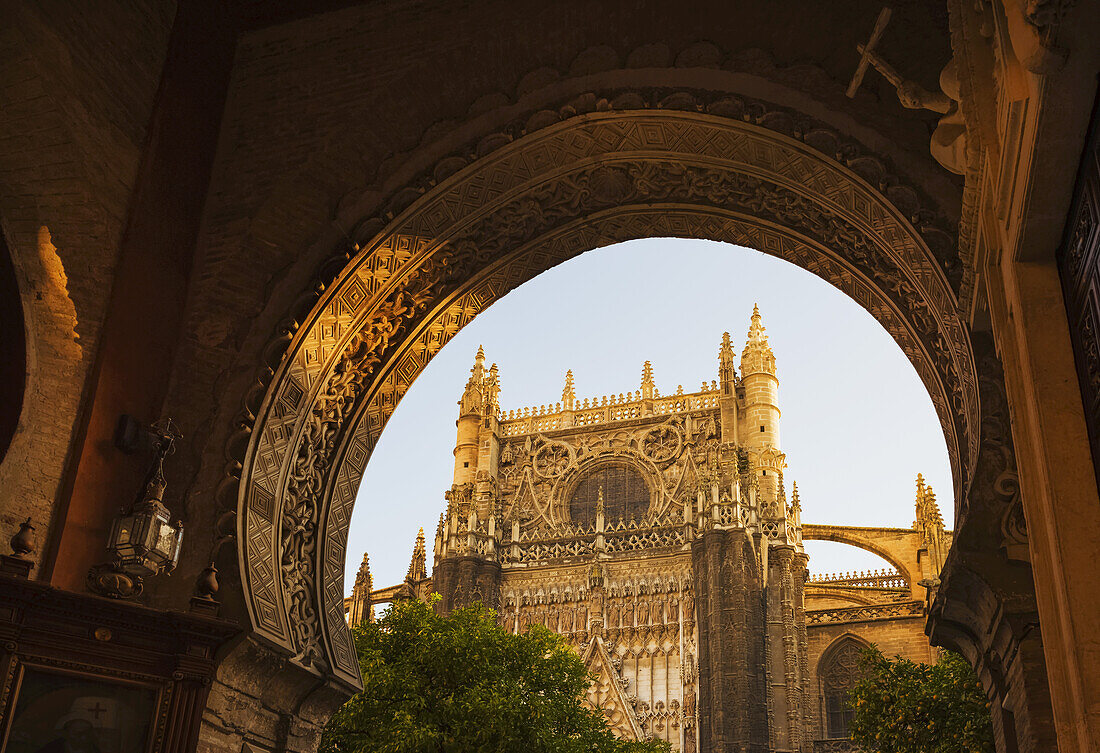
(77, 86)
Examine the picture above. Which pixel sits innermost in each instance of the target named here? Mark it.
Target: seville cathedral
(234, 232)
(656, 534)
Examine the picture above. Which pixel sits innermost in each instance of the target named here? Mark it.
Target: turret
(760, 418)
(477, 419)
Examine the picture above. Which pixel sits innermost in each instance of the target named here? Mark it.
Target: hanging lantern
(143, 542)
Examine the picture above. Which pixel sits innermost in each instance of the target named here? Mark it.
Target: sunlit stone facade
(656, 533)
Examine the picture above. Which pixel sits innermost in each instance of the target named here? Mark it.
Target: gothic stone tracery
(655, 533)
(488, 228)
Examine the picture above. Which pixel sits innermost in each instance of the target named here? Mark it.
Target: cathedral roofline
(604, 409)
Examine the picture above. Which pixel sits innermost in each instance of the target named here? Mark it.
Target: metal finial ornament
(23, 542)
(142, 542)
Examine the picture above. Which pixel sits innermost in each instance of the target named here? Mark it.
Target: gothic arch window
(625, 494)
(839, 673)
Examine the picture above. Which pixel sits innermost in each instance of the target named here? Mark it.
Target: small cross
(97, 710)
(867, 51)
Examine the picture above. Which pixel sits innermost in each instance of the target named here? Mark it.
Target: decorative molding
(496, 223)
(868, 613)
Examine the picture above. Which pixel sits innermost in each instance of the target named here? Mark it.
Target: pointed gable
(606, 693)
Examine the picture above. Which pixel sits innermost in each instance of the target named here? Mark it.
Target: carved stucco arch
(582, 183)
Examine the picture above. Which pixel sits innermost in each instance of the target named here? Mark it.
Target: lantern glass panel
(166, 543)
(148, 525)
(123, 539)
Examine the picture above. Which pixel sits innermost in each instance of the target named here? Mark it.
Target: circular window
(625, 494)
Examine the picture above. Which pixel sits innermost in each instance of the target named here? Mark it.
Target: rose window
(624, 491)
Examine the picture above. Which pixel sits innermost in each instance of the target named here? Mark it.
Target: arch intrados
(434, 268)
(811, 533)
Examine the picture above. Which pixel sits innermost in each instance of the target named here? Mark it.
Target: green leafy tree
(905, 707)
(459, 683)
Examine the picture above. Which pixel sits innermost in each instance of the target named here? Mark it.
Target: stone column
(461, 581)
(732, 710)
(786, 647)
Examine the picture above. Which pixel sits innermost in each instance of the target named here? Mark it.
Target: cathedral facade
(656, 534)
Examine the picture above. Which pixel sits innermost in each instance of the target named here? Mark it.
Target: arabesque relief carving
(489, 227)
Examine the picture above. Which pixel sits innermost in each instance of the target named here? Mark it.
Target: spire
(796, 503)
(568, 395)
(361, 609)
(727, 374)
(647, 381)
(930, 525)
(363, 577)
(928, 511)
(478, 371)
(437, 548)
(757, 334)
(482, 388)
(757, 355)
(418, 568)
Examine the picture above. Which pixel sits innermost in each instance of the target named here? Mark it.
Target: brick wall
(895, 637)
(77, 85)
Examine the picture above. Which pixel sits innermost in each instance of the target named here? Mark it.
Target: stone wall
(894, 637)
(79, 82)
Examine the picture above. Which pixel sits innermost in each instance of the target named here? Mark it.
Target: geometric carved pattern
(1079, 265)
(607, 695)
(498, 222)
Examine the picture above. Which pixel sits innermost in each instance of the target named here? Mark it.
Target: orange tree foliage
(459, 683)
(905, 707)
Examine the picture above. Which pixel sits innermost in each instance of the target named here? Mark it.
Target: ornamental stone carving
(552, 459)
(444, 258)
(661, 443)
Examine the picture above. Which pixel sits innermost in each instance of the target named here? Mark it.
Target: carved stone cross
(911, 94)
(867, 51)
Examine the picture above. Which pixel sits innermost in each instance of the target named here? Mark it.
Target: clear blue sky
(857, 424)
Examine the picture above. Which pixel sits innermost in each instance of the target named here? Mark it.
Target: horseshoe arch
(490, 224)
